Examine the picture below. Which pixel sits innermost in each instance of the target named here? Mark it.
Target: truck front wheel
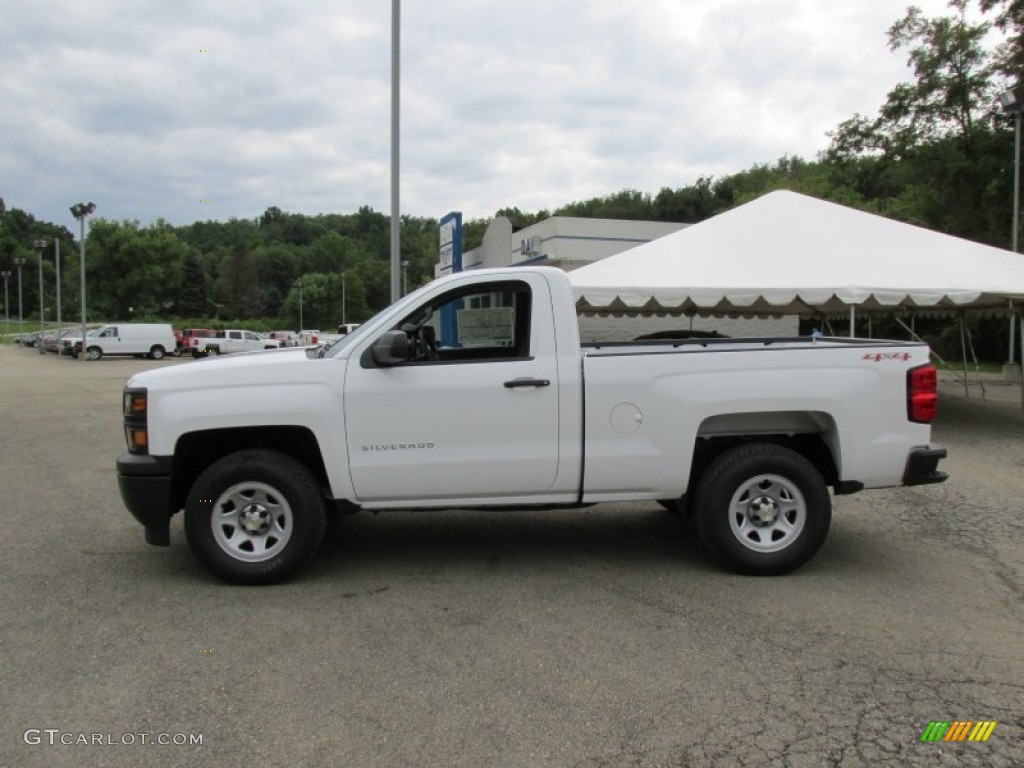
(255, 517)
(763, 509)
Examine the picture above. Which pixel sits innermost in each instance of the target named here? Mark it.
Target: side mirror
(390, 349)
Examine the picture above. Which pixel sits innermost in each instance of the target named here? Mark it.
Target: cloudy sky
(194, 110)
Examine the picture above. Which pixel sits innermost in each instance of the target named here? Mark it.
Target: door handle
(515, 383)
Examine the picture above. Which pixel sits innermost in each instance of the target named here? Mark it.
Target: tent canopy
(789, 253)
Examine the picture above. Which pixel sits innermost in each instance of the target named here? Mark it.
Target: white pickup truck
(226, 342)
(474, 391)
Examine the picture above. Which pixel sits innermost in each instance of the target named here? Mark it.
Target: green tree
(329, 253)
(953, 72)
(321, 299)
(19, 230)
(132, 269)
(278, 268)
(931, 156)
(1009, 18)
(193, 296)
(238, 288)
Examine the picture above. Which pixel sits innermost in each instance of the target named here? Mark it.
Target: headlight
(136, 423)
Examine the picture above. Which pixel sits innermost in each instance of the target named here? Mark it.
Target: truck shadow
(622, 534)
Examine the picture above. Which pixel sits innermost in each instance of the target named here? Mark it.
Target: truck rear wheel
(255, 517)
(157, 352)
(763, 509)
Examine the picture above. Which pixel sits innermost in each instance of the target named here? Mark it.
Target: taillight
(922, 393)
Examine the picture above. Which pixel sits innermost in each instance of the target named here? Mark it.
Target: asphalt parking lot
(602, 637)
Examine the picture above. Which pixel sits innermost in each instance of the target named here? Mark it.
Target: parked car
(286, 338)
(48, 341)
(151, 339)
(73, 338)
(184, 337)
(56, 342)
(226, 342)
(30, 339)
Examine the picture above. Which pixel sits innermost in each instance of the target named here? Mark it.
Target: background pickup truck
(474, 391)
(225, 342)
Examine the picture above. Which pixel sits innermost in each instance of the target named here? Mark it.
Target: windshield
(336, 346)
(340, 343)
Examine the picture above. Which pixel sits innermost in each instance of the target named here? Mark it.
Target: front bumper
(922, 463)
(145, 485)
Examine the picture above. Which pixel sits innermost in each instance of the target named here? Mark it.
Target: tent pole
(1021, 337)
(871, 333)
(853, 318)
(913, 334)
(963, 349)
(1013, 317)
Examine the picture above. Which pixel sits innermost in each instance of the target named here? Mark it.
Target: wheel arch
(195, 451)
(812, 434)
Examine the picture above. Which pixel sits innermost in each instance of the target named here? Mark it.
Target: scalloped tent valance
(787, 253)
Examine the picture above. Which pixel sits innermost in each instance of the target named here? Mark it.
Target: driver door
(473, 414)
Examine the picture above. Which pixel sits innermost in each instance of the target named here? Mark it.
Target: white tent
(789, 253)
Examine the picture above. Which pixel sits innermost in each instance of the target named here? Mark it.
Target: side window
(251, 336)
(109, 333)
(484, 322)
(234, 334)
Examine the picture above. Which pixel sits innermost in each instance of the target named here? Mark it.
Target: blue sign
(451, 262)
(450, 231)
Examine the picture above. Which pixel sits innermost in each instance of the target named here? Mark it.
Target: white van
(152, 339)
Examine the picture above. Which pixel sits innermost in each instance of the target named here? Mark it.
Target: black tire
(157, 352)
(286, 517)
(762, 509)
(94, 353)
(212, 351)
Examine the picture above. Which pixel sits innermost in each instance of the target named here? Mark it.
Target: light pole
(7, 310)
(56, 261)
(344, 313)
(1012, 102)
(19, 262)
(80, 211)
(301, 326)
(40, 246)
(396, 29)
(405, 277)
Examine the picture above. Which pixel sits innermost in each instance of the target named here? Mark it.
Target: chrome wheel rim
(767, 513)
(252, 521)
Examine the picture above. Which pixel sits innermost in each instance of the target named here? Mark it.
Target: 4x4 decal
(880, 356)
